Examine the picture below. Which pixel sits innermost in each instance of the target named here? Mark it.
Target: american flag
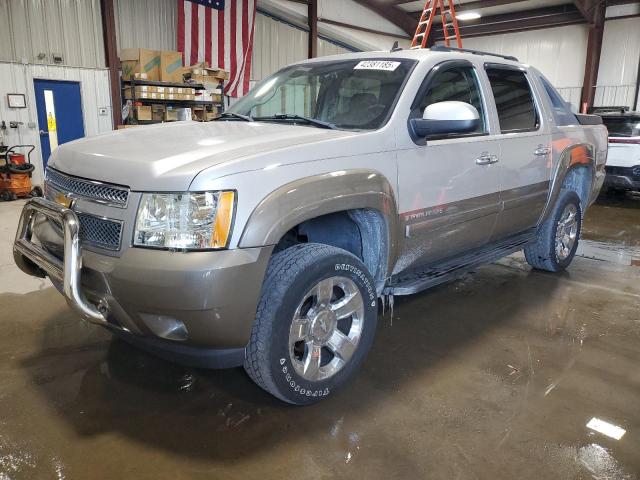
(219, 32)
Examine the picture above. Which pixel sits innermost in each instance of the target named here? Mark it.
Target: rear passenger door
(524, 137)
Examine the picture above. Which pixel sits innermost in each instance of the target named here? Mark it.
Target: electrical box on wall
(103, 111)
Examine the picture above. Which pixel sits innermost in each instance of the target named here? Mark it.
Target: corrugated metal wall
(36, 30)
(560, 53)
(618, 72)
(18, 78)
(146, 24)
(277, 44)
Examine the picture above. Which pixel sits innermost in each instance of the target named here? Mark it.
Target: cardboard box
(143, 113)
(140, 61)
(141, 91)
(171, 69)
(157, 112)
(171, 115)
(208, 82)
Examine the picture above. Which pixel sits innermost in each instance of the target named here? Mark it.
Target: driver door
(449, 186)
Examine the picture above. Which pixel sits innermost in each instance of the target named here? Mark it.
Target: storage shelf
(181, 103)
(153, 83)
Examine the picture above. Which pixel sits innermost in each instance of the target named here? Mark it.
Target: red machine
(15, 174)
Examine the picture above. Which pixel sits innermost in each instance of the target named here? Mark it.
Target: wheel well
(362, 232)
(578, 179)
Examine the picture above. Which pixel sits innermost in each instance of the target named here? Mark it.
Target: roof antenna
(395, 47)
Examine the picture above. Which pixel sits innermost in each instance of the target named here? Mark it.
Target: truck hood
(167, 157)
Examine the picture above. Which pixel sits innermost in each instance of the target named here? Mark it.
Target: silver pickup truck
(266, 238)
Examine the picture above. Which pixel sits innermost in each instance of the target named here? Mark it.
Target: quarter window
(456, 84)
(514, 100)
(561, 111)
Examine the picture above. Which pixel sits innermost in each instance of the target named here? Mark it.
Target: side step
(422, 278)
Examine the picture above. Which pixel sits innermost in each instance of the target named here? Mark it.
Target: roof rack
(442, 48)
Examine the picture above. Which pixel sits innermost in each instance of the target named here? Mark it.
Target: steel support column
(312, 16)
(594, 48)
(111, 56)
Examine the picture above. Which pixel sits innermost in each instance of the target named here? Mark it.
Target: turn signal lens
(224, 217)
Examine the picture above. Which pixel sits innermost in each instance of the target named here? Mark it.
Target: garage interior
(506, 372)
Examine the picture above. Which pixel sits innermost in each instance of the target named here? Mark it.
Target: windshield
(347, 94)
(622, 126)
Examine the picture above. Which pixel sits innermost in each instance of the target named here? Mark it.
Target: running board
(417, 280)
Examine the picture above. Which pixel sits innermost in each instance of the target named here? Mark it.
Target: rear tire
(315, 323)
(559, 235)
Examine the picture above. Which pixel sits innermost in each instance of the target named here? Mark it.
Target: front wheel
(315, 323)
(559, 235)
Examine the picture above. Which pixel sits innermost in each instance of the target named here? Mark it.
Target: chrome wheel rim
(567, 232)
(326, 328)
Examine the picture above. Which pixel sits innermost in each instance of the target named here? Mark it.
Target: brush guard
(36, 261)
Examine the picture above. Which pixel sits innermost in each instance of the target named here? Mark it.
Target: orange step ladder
(448, 16)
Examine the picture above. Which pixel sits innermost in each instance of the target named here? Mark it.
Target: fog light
(165, 327)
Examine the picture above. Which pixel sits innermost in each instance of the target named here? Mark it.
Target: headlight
(184, 220)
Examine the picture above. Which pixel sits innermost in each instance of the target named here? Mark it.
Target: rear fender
(572, 157)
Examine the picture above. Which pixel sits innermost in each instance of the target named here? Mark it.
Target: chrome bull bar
(35, 260)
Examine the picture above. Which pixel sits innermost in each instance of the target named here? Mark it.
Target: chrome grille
(88, 189)
(100, 232)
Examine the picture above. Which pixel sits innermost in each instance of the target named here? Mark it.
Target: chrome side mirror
(445, 118)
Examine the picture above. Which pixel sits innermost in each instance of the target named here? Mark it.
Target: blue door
(59, 114)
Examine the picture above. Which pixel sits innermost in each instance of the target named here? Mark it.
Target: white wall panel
(618, 71)
(18, 78)
(146, 24)
(35, 30)
(560, 53)
(326, 48)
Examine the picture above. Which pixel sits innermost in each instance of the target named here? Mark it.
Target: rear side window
(561, 111)
(514, 100)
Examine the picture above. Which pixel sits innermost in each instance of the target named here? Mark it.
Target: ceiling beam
(519, 21)
(395, 15)
(475, 5)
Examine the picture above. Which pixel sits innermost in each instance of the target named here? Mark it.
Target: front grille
(88, 189)
(100, 232)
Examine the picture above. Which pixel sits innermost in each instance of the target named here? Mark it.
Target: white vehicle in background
(623, 161)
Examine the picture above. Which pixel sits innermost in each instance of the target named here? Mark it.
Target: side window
(514, 100)
(456, 84)
(561, 111)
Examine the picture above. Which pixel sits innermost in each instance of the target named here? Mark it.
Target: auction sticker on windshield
(377, 65)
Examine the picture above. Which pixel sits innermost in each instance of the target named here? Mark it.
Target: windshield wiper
(246, 118)
(290, 116)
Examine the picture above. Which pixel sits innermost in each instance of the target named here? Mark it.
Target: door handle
(486, 159)
(43, 133)
(541, 151)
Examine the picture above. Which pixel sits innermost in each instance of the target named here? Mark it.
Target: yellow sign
(51, 122)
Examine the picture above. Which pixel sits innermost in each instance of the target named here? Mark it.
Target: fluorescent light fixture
(468, 16)
(606, 428)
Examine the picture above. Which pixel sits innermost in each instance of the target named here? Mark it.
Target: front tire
(315, 323)
(559, 236)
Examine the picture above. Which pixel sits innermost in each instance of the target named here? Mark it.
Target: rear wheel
(559, 236)
(315, 323)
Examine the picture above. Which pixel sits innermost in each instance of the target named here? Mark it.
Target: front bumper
(214, 294)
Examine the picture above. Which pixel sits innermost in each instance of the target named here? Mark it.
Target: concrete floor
(494, 376)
